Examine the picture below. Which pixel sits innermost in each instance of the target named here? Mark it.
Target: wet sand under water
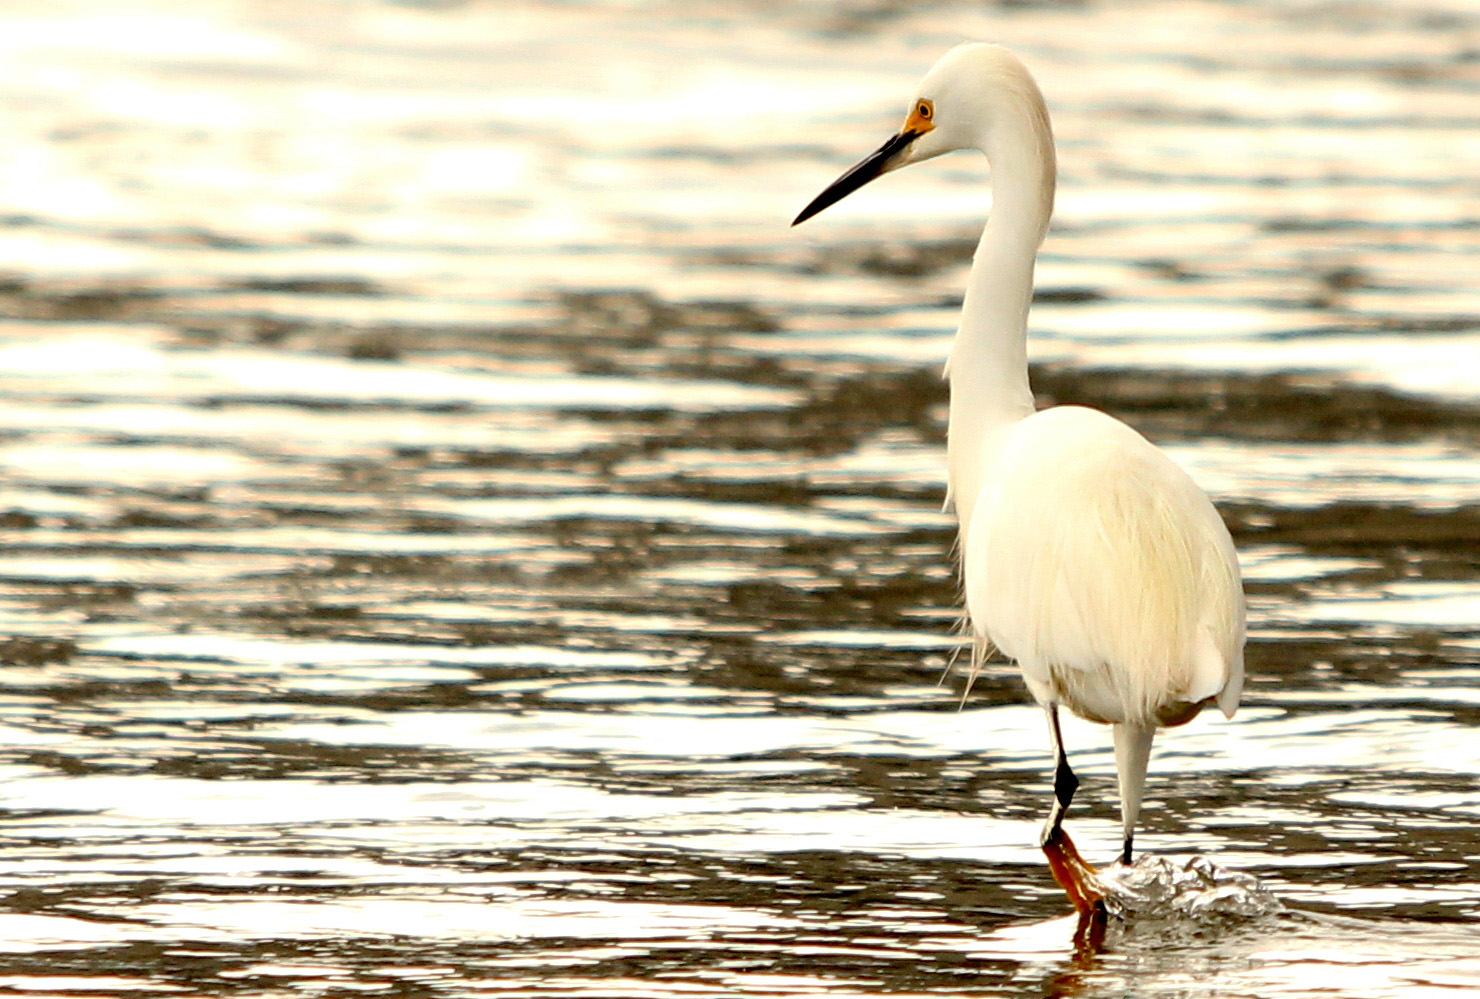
(455, 540)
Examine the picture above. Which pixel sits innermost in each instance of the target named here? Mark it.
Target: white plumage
(1096, 564)
(1089, 557)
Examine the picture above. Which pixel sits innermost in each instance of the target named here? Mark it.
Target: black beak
(873, 165)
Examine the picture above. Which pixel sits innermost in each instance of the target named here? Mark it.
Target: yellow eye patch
(921, 118)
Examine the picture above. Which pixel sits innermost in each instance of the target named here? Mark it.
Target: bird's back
(1097, 564)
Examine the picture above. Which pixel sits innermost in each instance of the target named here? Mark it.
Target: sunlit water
(459, 541)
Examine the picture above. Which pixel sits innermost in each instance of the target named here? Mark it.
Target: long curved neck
(988, 367)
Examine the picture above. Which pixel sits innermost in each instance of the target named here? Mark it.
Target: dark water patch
(841, 414)
(1307, 407)
(1330, 225)
(73, 302)
(1357, 528)
(21, 650)
(339, 285)
(906, 260)
(638, 315)
(186, 236)
(592, 333)
(377, 345)
(895, 260)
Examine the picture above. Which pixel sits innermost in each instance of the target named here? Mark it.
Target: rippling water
(458, 540)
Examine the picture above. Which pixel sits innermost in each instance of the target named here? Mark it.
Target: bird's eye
(923, 110)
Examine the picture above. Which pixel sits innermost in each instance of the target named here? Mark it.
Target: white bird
(1088, 556)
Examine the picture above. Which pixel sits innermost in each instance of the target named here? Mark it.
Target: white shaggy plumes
(1099, 566)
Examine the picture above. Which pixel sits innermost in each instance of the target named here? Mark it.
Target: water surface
(457, 540)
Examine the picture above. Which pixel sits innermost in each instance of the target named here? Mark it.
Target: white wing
(1096, 563)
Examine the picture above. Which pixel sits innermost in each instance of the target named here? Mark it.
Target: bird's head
(958, 105)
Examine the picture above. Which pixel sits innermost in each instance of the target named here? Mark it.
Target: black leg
(1064, 781)
(1125, 853)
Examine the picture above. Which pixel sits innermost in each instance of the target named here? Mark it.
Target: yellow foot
(1081, 882)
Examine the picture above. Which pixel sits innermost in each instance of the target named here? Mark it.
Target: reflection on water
(457, 539)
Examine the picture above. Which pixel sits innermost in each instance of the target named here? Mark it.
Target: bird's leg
(1132, 752)
(1079, 880)
(1064, 781)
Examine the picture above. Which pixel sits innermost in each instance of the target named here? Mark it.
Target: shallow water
(458, 540)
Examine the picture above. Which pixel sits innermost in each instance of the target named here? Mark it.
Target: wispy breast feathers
(1084, 559)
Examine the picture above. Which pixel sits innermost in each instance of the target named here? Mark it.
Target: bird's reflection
(1073, 978)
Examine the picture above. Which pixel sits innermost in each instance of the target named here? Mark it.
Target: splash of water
(1194, 888)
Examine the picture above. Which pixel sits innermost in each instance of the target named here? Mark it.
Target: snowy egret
(1088, 556)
